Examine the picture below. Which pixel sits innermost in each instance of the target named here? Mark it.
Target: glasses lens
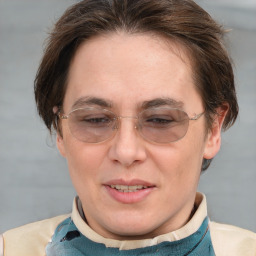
(163, 125)
(91, 125)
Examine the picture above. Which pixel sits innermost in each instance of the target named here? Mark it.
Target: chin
(132, 235)
(132, 230)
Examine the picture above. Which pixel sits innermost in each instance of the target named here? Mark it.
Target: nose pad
(115, 127)
(116, 123)
(137, 125)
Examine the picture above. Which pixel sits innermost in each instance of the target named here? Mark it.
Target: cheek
(84, 161)
(181, 162)
(84, 164)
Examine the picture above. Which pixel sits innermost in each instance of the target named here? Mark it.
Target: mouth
(129, 192)
(129, 189)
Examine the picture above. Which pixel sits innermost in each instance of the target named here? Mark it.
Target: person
(138, 93)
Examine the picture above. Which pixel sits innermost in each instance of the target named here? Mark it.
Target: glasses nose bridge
(119, 118)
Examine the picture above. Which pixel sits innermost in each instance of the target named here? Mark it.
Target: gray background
(34, 181)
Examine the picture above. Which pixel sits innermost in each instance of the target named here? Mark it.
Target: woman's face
(123, 72)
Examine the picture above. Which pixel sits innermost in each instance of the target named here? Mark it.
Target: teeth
(127, 189)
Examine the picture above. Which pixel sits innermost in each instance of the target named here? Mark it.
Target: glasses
(161, 125)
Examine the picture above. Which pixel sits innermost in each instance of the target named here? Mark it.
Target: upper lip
(132, 182)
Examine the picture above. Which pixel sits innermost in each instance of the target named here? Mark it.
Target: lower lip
(129, 197)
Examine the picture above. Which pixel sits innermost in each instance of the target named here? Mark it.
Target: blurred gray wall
(34, 180)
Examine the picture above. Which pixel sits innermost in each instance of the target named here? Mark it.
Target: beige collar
(191, 227)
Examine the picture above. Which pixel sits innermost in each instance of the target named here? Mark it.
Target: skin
(127, 70)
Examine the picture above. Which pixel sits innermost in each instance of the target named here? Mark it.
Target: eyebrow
(158, 102)
(81, 102)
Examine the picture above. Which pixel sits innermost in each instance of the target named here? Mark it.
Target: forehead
(137, 67)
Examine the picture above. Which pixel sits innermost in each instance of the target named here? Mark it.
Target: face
(121, 73)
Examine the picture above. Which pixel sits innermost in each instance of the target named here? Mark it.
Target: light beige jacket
(31, 240)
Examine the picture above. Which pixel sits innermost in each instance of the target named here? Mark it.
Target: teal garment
(68, 241)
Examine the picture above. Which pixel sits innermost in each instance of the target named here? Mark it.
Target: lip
(129, 197)
(132, 182)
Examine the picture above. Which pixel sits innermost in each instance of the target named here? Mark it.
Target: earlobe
(60, 144)
(213, 141)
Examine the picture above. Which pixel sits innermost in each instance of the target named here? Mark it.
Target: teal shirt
(68, 241)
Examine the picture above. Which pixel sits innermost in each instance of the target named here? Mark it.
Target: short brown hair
(180, 20)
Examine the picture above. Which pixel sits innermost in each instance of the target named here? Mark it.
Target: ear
(60, 144)
(213, 141)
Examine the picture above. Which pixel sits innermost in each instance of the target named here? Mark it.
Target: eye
(96, 120)
(158, 120)
(166, 118)
(92, 118)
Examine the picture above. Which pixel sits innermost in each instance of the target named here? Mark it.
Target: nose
(127, 147)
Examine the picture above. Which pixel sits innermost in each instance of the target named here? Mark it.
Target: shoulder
(30, 239)
(231, 240)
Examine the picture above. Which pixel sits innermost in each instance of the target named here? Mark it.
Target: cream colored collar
(191, 227)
